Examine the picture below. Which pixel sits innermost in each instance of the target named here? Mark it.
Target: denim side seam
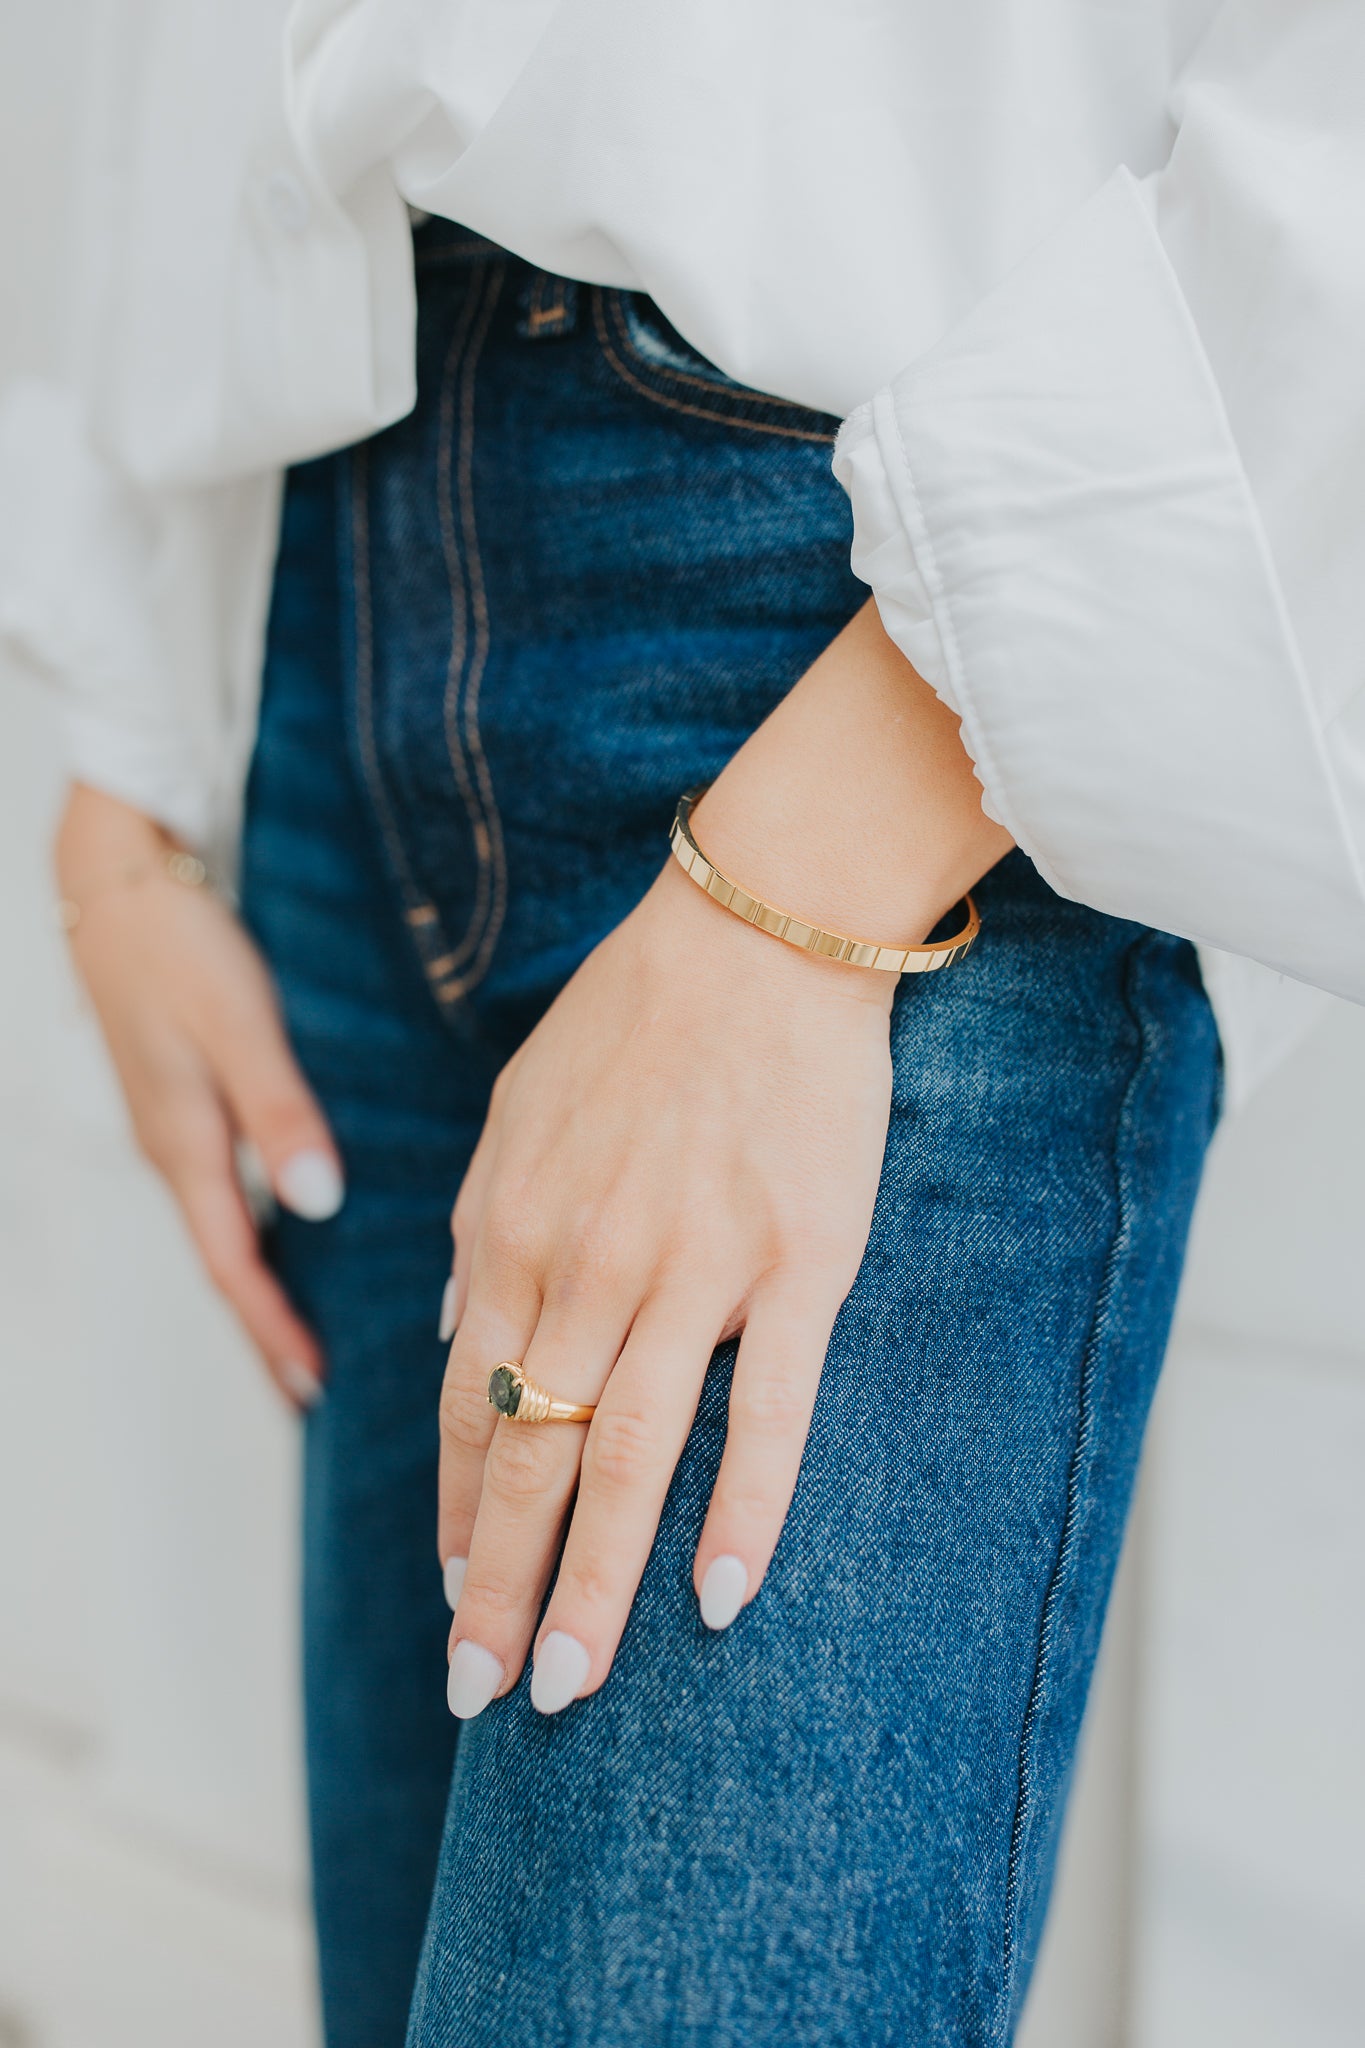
(734, 418)
(1076, 1488)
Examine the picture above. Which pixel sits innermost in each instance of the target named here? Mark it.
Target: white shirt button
(288, 201)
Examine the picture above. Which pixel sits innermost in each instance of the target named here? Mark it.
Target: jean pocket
(647, 353)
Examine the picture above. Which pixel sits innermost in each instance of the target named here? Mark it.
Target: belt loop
(549, 307)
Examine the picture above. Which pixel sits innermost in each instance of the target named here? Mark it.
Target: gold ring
(521, 1400)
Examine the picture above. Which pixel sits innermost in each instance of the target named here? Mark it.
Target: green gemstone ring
(521, 1400)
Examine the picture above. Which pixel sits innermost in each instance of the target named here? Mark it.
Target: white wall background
(151, 1868)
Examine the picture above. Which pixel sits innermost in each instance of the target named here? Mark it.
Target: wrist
(825, 871)
(680, 923)
(105, 850)
(98, 834)
(855, 805)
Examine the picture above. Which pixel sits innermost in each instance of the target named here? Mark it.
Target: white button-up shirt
(1089, 283)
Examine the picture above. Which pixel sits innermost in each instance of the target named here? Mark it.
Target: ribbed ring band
(521, 1400)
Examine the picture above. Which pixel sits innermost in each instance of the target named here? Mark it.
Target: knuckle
(519, 1465)
(820, 1261)
(464, 1417)
(595, 1585)
(492, 1597)
(578, 1284)
(595, 1262)
(766, 1403)
(755, 1499)
(621, 1451)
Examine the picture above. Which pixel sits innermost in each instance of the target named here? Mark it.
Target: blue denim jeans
(505, 634)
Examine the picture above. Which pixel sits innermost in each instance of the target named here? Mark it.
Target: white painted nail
(723, 1590)
(305, 1387)
(558, 1673)
(452, 1573)
(445, 1328)
(475, 1675)
(311, 1185)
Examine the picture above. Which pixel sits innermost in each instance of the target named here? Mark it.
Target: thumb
(273, 1106)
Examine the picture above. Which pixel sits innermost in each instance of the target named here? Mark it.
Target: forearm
(855, 803)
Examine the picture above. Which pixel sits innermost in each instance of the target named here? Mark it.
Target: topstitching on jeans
(635, 334)
(653, 375)
(441, 957)
(468, 598)
(1077, 1473)
(420, 915)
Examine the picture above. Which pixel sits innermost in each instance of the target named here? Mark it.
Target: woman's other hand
(190, 1018)
(689, 1147)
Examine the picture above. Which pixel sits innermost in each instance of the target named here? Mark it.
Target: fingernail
(558, 1673)
(445, 1328)
(452, 1572)
(304, 1386)
(723, 1590)
(311, 1185)
(475, 1675)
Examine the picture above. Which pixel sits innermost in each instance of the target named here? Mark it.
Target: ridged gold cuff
(780, 924)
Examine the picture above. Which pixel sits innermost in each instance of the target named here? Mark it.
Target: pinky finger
(772, 1396)
(220, 1223)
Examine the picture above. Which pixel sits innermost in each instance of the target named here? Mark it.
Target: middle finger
(633, 1447)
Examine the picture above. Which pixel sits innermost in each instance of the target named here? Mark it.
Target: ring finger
(527, 1481)
(498, 1324)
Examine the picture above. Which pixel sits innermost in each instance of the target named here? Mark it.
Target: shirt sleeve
(228, 314)
(1117, 515)
(138, 593)
(143, 606)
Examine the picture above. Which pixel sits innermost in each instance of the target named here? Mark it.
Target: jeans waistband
(433, 236)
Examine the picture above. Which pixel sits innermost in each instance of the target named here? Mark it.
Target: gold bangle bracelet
(780, 924)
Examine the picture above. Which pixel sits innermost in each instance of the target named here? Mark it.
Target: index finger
(215, 1209)
(498, 1322)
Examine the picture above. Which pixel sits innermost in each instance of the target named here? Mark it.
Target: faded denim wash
(505, 634)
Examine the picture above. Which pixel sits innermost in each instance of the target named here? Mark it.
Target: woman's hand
(688, 1147)
(190, 1018)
